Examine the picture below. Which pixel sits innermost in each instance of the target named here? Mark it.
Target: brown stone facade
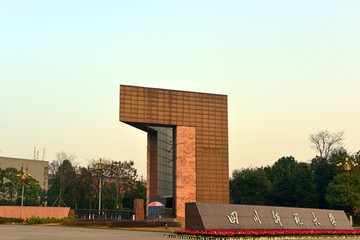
(185, 185)
(200, 123)
(151, 183)
(139, 209)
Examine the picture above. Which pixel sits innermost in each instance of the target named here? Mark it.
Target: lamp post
(23, 175)
(357, 158)
(100, 166)
(348, 164)
(347, 167)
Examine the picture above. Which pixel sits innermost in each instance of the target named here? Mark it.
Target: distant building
(37, 169)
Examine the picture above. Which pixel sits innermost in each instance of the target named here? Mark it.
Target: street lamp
(357, 157)
(347, 167)
(348, 164)
(100, 166)
(23, 176)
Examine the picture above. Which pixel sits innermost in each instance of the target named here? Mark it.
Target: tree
(85, 188)
(283, 179)
(60, 158)
(32, 192)
(305, 192)
(11, 189)
(249, 186)
(63, 191)
(324, 170)
(344, 191)
(323, 174)
(121, 174)
(137, 191)
(2, 189)
(325, 142)
(338, 156)
(11, 183)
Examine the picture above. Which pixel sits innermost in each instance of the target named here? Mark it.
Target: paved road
(28, 232)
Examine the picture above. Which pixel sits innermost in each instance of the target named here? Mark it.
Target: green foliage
(7, 203)
(122, 223)
(2, 189)
(11, 184)
(118, 178)
(38, 220)
(138, 191)
(109, 202)
(324, 183)
(64, 188)
(249, 186)
(85, 187)
(338, 156)
(11, 189)
(305, 192)
(284, 182)
(32, 192)
(344, 191)
(77, 187)
(324, 172)
(10, 220)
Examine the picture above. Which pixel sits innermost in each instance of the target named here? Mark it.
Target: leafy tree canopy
(249, 186)
(344, 190)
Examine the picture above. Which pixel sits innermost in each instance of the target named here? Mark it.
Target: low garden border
(262, 234)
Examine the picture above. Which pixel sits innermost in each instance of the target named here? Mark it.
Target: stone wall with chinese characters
(202, 216)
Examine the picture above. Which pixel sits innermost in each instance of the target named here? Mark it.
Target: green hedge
(122, 223)
(10, 220)
(37, 220)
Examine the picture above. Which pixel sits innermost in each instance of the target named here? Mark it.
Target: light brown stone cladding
(139, 209)
(185, 168)
(206, 113)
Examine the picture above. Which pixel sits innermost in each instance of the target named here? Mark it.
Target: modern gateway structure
(187, 150)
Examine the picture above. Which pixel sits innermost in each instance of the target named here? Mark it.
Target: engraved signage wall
(201, 216)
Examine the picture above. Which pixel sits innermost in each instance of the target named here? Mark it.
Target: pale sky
(289, 68)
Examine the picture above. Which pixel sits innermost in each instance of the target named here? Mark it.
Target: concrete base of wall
(27, 212)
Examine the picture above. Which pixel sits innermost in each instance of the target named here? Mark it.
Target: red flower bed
(269, 233)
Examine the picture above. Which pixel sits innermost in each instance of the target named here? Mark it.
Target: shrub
(144, 223)
(38, 220)
(10, 220)
(122, 223)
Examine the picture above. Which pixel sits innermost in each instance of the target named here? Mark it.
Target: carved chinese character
(276, 218)
(332, 219)
(297, 219)
(256, 217)
(316, 223)
(233, 218)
